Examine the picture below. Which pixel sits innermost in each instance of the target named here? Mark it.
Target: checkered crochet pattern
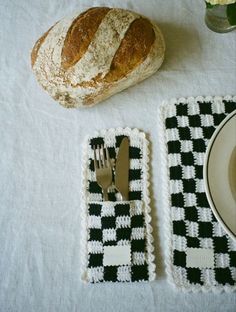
(114, 222)
(188, 125)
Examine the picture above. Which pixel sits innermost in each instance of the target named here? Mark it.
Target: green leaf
(231, 13)
(209, 6)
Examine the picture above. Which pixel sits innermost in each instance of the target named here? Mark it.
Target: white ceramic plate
(220, 174)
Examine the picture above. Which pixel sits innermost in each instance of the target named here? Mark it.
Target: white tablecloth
(40, 158)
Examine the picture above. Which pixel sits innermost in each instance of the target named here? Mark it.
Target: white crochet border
(146, 199)
(166, 193)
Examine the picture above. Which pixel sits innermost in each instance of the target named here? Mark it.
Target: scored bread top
(92, 50)
(133, 49)
(80, 34)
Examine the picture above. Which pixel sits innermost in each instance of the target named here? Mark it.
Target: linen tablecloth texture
(188, 124)
(40, 159)
(124, 225)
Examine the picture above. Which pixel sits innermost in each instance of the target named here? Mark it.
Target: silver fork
(103, 169)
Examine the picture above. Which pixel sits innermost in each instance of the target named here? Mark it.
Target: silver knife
(122, 169)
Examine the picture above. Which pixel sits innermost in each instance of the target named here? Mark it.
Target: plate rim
(206, 178)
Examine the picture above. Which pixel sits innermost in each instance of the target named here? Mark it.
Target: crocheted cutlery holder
(116, 235)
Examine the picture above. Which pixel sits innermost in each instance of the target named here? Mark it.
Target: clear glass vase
(216, 19)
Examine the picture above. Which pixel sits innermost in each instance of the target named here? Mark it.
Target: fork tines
(101, 157)
(103, 169)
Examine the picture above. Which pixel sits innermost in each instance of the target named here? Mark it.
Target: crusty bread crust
(133, 50)
(80, 34)
(86, 58)
(37, 46)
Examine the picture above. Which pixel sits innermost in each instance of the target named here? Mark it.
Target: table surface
(40, 162)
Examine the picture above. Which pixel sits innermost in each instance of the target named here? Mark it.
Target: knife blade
(122, 169)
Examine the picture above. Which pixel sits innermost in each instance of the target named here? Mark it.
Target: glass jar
(216, 19)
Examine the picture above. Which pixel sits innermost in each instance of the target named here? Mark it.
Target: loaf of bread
(86, 58)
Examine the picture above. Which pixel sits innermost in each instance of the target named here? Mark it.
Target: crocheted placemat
(116, 235)
(200, 255)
